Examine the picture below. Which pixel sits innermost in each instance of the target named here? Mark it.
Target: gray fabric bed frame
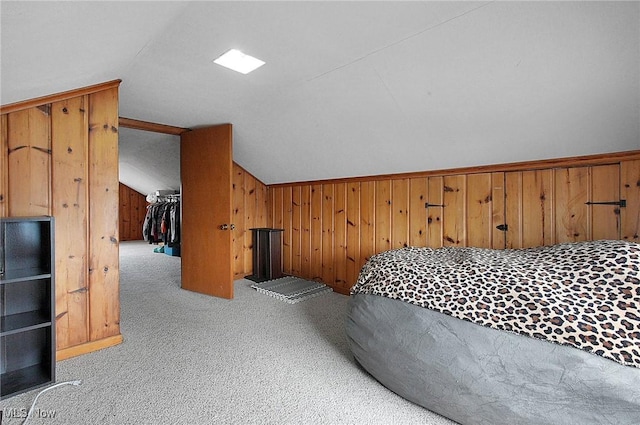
(477, 375)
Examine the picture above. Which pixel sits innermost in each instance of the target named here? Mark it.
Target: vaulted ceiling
(349, 88)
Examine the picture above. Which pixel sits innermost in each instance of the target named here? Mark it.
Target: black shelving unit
(27, 304)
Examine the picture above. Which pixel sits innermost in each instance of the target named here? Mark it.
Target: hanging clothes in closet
(162, 222)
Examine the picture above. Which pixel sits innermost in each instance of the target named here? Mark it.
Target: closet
(162, 222)
(150, 183)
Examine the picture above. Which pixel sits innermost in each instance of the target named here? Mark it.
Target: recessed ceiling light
(238, 61)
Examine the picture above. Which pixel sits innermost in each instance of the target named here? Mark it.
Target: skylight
(238, 61)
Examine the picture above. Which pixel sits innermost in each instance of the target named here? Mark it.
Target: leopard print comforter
(585, 294)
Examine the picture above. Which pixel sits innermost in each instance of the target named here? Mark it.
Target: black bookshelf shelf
(25, 274)
(27, 304)
(21, 322)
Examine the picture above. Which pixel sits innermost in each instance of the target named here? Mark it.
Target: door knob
(224, 227)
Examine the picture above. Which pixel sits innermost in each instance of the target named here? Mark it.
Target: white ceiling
(349, 88)
(149, 161)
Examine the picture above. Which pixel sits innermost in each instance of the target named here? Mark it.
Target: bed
(545, 335)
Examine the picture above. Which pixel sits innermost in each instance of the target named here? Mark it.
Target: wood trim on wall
(574, 161)
(151, 126)
(38, 101)
(4, 165)
(78, 350)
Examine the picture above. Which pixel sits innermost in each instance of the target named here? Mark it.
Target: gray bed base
(477, 375)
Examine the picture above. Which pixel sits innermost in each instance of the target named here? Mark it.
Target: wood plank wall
(249, 210)
(60, 157)
(133, 208)
(331, 228)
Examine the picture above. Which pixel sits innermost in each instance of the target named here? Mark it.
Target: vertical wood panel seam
(85, 118)
(590, 198)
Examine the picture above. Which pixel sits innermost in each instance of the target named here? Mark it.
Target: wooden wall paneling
(278, 209)
(270, 206)
(316, 232)
(262, 205)
(435, 214)
(539, 212)
(296, 232)
(253, 206)
(69, 124)
(605, 187)
(287, 220)
(305, 229)
(630, 191)
(479, 192)
(265, 217)
(498, 237)
(353, 231)
(513, 209)
(139, 211)
(340, 225)
(238, 198)
(29, 157)
(135, 227)
(383, 215)
(571, 196)
(124, 212)
(268, 199)
(529, 208)
(418, 196)
(455, 211)
(64, 163)
(40, 132)
(131, 213)
(104, 278)
(4, 165)
(400, 213)
(328, 233)
(367, 221)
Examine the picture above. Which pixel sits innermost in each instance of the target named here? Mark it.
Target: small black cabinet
(267, 256)
(27, 304)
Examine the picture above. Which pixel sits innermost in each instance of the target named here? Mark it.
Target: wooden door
(206, 166)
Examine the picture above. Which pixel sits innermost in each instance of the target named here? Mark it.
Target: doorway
(149, 163)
